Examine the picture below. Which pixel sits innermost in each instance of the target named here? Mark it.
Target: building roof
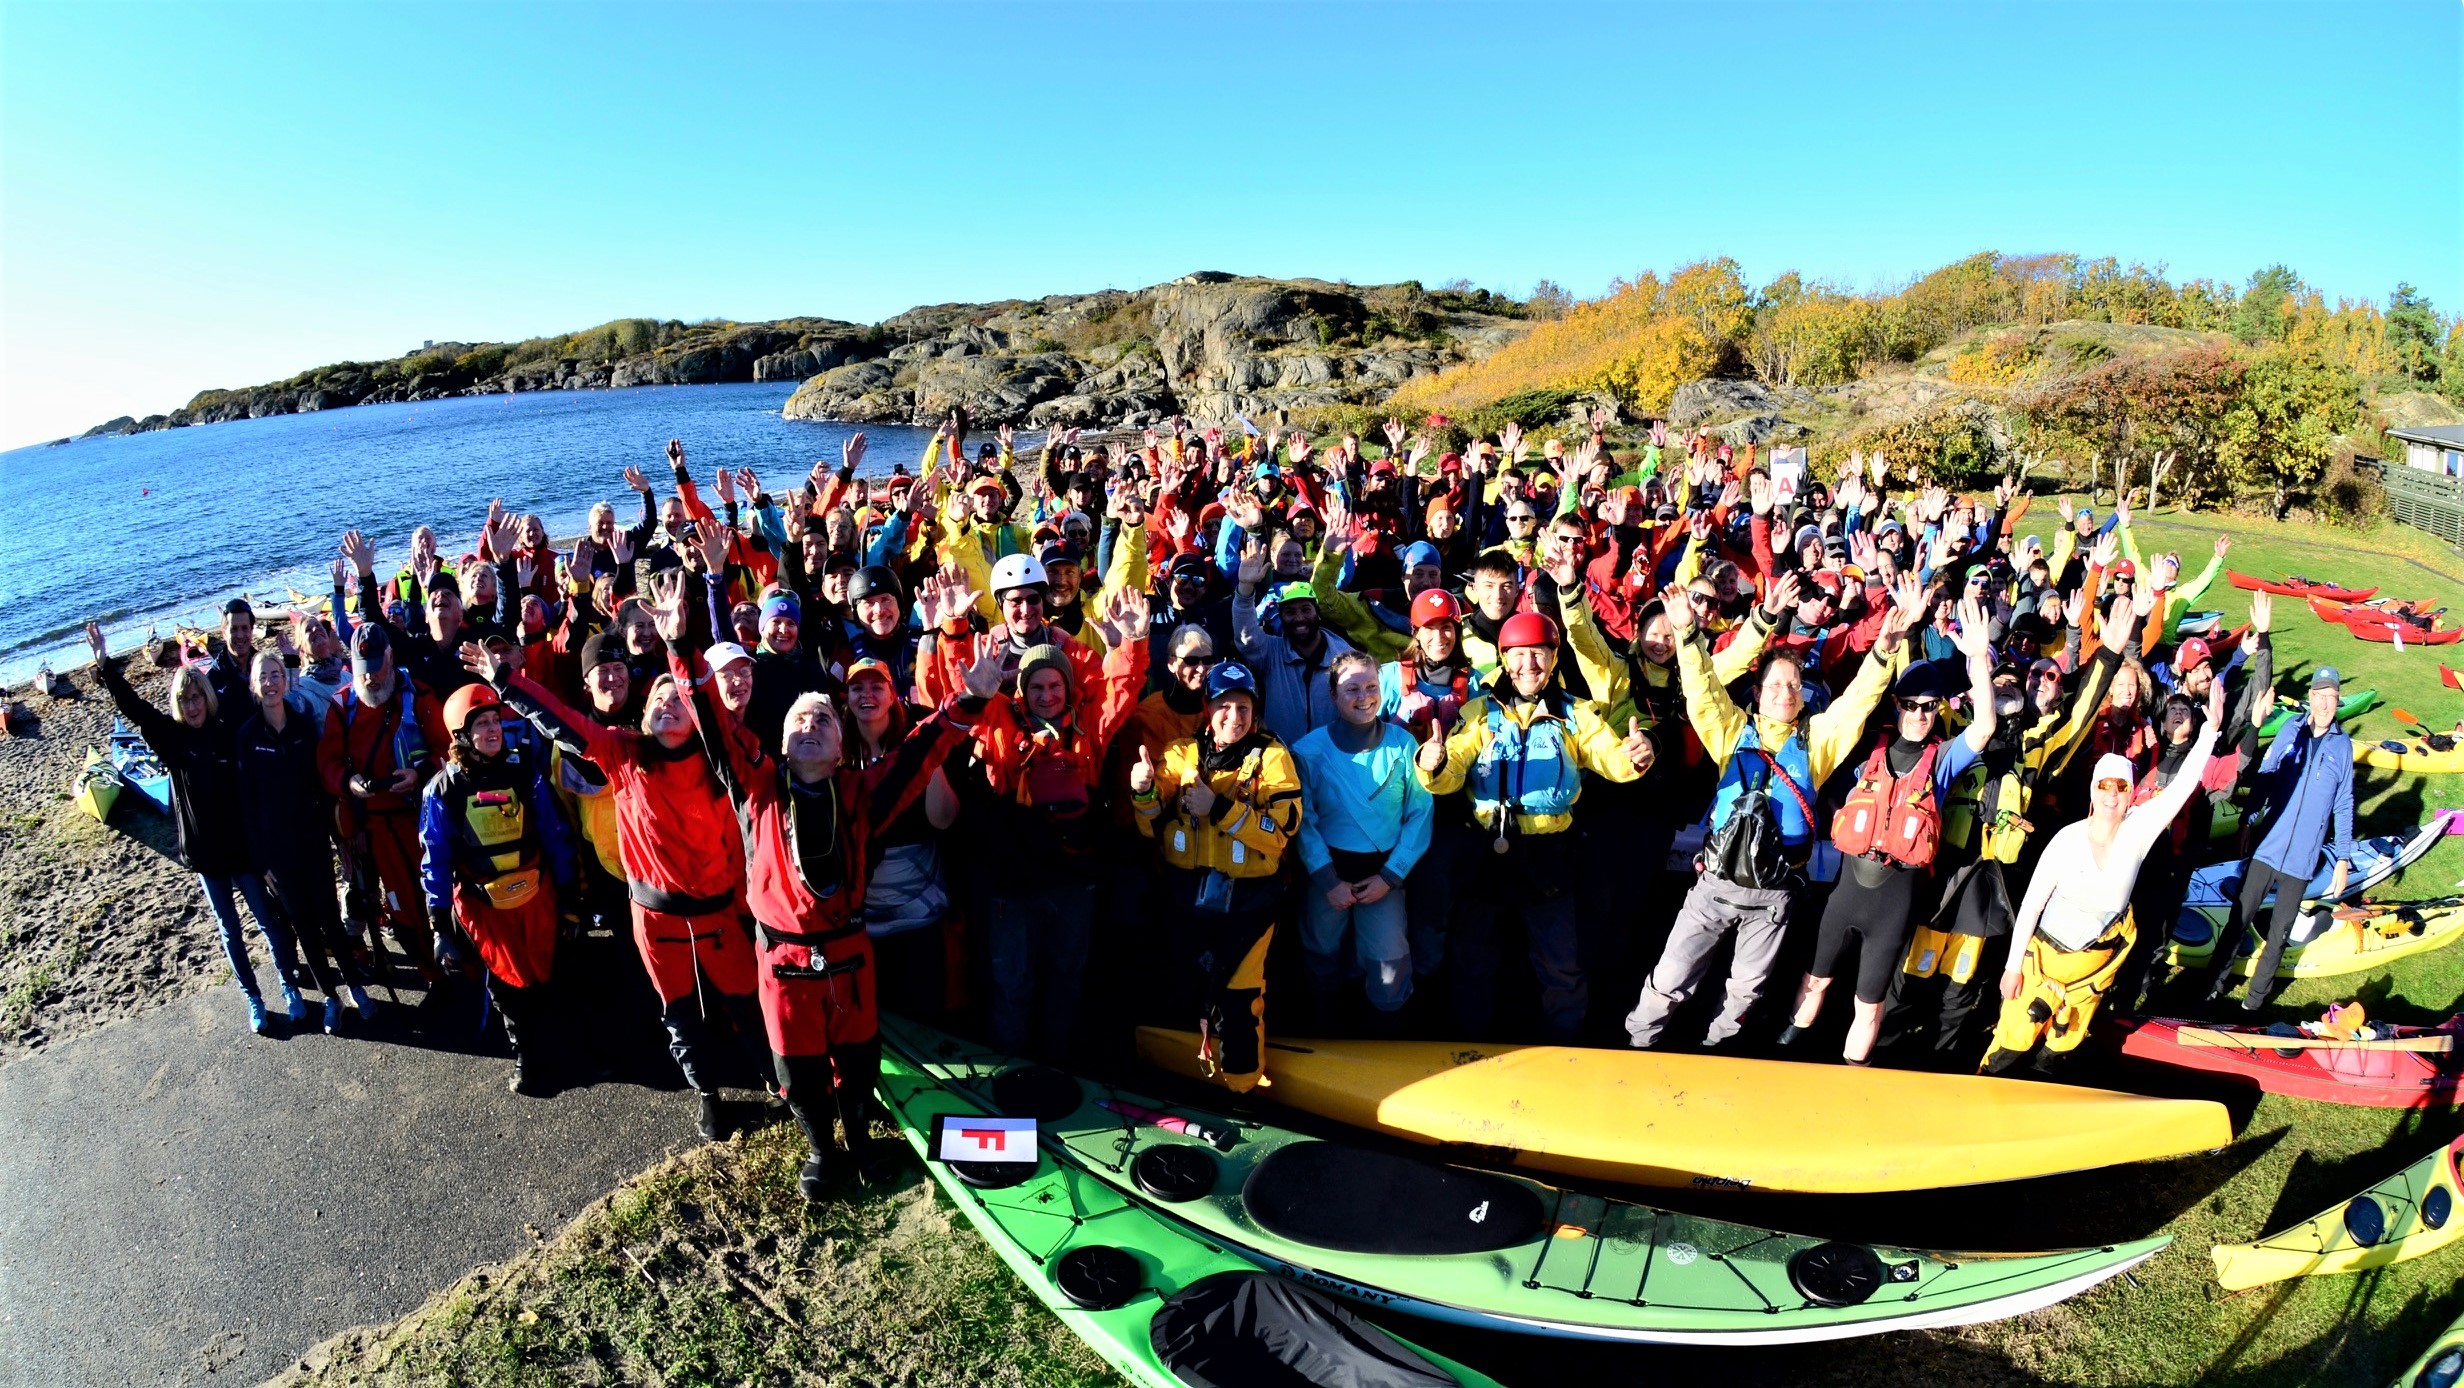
(2436, 435)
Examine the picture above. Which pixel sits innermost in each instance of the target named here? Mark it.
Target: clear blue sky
(202, 195)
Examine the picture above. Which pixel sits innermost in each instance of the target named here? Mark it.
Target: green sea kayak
(2441, 1365)
(1161, 1305)
(1485, 1249)
(2353, 705)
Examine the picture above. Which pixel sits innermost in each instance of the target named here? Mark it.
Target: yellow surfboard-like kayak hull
(2416, 1211)
(2408, 754)
(1710, 1122)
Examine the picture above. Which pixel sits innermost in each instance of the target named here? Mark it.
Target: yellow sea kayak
(2410, 754)
(2441, 1365)
(98, 786)
(2410, 1213)
(1655, 1119)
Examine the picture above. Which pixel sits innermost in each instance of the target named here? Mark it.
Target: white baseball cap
(2113, 766)
(724, 654)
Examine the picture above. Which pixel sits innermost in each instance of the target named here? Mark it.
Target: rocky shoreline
(1210, 345)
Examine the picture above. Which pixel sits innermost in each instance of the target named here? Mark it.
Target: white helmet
(1018, 571)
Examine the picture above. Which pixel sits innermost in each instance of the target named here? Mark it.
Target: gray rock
(125, 424)
(1711, 401)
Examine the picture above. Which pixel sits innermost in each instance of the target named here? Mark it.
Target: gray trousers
(1712, 908)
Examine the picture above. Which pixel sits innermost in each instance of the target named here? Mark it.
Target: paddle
(2449, 677)
(2260, 1041)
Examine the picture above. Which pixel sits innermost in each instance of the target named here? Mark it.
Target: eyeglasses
(1522, 520)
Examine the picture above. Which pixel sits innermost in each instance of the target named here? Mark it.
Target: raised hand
(850, 453)
(1781, 595)
(2262, 611)
(1394, 435)
(1680, 611)
(1907, 608)
(710, 538)
(666, 600)
(620, 547)
(525, 568)
(2107, 547)
(1758, 493)
(2224, 543)
(486, 664)
(1420, 451)
(981, 675)
(359, 552)
(1132, 614)
(1637, 747)
(1299, 449)
(2215, 719)
(2062, 504)
(1880, 467)
(635, 480)
(1510, 439)
(1973, 638)
(1864, 551)
(675, 453)
(1253, 564)
(748, 484)
(2075, 606)
(725, 484)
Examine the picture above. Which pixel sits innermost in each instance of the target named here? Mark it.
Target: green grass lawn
(708, 1270)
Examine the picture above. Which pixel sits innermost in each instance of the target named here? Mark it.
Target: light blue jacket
(1368, 801)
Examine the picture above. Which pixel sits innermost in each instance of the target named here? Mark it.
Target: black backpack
(1747, 848)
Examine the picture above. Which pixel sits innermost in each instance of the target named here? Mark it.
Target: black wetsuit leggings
(1876, 918)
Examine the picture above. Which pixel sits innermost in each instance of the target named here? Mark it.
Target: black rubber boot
(856, 1069)
(709, 1120)
(1792, 1034)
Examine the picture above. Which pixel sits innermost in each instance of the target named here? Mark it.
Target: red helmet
(1434, 606)
(467, 700)
(1526, 629)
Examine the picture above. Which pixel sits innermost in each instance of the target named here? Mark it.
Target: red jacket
(359, 741)
(675, 829)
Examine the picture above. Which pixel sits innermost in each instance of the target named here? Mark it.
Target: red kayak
(2299, 587)
(2385, 632)
(2377, 1074)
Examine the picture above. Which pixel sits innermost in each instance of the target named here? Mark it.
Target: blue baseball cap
(1230, 677)
(2325, 677)
(1420, 554)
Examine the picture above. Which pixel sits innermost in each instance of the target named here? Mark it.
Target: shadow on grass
(2354, 1353)
(2315, 1184)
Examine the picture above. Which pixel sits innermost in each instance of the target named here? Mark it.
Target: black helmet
(872, 579)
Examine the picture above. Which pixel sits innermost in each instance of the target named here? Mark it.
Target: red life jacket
(1894, 819)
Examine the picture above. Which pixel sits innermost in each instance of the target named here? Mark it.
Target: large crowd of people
(1238, 732)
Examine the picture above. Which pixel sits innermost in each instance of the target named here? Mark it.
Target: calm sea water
(159, 528)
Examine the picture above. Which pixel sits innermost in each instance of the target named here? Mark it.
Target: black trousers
(2257, 880)
(836, 1087)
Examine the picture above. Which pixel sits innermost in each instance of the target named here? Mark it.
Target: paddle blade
(2405, 716)
(2449, 677)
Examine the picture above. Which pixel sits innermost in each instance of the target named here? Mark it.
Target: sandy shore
(97, 922)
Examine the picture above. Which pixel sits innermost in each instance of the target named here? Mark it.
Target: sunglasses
(1920, 705)
(2112, 785)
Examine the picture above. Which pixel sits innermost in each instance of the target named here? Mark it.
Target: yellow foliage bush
(1996, 361)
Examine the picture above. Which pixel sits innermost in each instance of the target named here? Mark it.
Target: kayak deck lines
(1775, 1295)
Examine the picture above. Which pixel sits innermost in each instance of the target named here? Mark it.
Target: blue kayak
(2214, 888)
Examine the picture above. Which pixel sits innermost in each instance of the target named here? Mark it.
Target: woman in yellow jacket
(1224, 805)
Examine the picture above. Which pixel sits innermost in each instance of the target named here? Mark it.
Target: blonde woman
(195, 745)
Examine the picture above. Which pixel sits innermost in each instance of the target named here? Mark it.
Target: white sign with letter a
(1787, 473)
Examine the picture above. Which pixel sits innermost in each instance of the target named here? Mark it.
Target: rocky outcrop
(1212, 346)
(125, 424)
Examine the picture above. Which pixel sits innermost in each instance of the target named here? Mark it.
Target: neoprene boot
(708, 1120)
(814, 1180)
(856, 1069)
(1792, 1034)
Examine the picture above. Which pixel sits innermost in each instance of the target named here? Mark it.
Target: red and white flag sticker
(964, 1137)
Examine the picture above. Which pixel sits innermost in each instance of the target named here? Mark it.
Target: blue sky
(206, 195)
